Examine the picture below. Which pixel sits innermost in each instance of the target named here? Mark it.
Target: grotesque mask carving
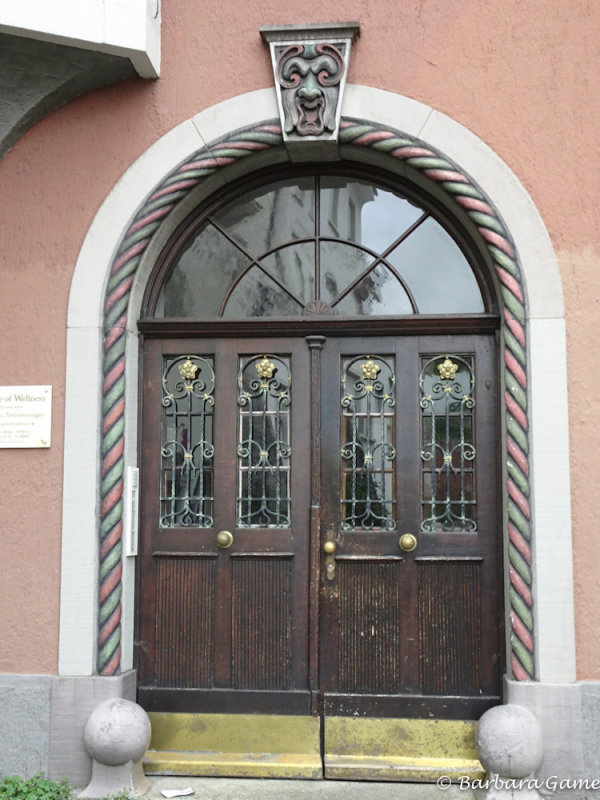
(310, 76)
(310, 63)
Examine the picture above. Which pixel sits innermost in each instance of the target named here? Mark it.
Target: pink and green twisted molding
(458, 186)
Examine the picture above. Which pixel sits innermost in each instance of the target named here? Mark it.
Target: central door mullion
(226, 368)
(329, 477)
(315, 345)
(408, 497)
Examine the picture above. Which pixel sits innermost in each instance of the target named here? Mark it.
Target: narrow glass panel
(256, 295)
(271, 215)
(447, 386)
(294, 266)
(364, 213)
(201, 276)
(187, 442)
(367, 443)
(380, 292)
(341, 264)
(264, 451)
(436, 272)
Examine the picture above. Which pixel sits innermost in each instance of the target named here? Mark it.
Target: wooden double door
(319, 526)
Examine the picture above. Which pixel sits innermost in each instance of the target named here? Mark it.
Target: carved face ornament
(309, 76)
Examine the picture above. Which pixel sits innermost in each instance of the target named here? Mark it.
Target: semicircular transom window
(319, 244)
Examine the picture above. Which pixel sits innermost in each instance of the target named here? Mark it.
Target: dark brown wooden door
(223, 578)
(409, 450)
(317, 454)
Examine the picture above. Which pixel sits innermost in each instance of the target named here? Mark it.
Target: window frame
(456, 228)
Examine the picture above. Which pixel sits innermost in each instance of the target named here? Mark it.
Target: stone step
(273, 789)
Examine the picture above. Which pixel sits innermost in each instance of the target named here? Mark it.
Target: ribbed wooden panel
(449, 627)
(261, 623)
(369, 627)
(185, 590)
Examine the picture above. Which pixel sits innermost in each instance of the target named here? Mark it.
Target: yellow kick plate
(235, 745)
(274, 746)
(358, 748)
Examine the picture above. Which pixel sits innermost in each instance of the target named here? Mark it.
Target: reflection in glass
(367, 450)
(447, 386)
(341, 264)
(380, 292)
(294, 266)
(264, 451)
(270, 216)
(194, 291)
(256, 295)
(187, 443)
(436, 272)
(364, 213)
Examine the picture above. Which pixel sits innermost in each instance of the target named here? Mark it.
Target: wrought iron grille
(367, 452)
(448, 500)
(264, 450)
(187, 450)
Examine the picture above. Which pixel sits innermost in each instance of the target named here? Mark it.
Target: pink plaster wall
(521, 74)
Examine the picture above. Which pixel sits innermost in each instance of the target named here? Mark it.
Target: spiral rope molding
(157, 207)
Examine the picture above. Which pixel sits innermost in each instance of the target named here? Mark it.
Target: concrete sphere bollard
(116, 736)
(509, 741)
(116, 732)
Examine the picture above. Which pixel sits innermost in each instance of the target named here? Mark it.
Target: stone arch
(251, 144)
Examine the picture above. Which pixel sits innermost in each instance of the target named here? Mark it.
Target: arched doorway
(97, 583)
(321, 538)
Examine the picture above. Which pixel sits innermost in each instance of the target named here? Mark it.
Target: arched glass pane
(379, 292)
(256, 295)
(294, 266)
(194, 289)
(436, 272)
(364, 213)
(341, 264)
(304, 260)
(270, 216)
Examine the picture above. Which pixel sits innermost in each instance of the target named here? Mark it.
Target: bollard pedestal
(116, 736)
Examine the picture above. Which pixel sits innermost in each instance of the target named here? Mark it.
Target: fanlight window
(320, 244)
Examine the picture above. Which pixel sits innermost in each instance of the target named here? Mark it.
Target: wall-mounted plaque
(25, 416)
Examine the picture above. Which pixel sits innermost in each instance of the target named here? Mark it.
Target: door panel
(224, 627)
(410, 633)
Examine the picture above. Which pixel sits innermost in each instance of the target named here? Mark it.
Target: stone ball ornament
(116, 732)
(509, 741)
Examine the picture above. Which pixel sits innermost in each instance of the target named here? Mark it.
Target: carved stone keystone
(310, 65)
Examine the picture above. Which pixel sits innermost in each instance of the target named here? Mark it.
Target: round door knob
(329, 547)
(408, 542)
(224, 539)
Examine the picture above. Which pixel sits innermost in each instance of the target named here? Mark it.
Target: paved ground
(269, 789)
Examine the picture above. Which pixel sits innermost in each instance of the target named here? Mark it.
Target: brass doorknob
(329, 547)
(224, 539)
(407, 542)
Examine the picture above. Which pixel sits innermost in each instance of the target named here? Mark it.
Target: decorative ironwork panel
(367, 452)
(264, 449)
(448, 500)
(187, 447)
